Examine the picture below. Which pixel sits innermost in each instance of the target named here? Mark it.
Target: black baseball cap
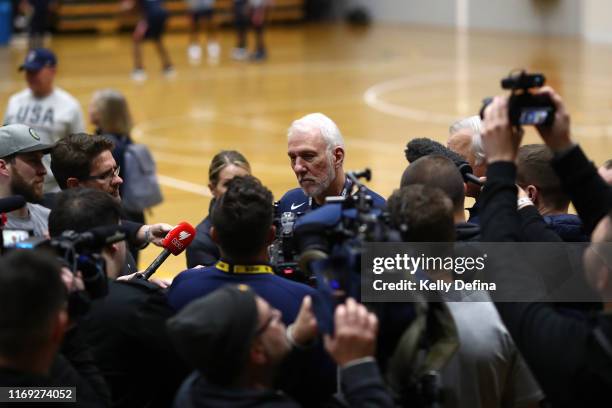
(214, 333)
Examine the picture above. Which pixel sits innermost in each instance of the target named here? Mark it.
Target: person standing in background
(202, 13)
(110, 114)
(151, 26)
(52, 112)
(39, 11)
(226, 165)
(250, 12)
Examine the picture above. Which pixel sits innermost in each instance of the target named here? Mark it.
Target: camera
(283, 254)
(525, 107)
(79, 252)
(329, 239)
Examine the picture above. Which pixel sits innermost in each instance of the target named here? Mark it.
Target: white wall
(596, 20)
(591, 19)
(429, 12)
(532, 16)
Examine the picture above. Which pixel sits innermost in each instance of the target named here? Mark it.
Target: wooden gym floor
(383, 86)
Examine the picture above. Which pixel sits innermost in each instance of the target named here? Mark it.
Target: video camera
(283, 254)
(80, 252)
(329, 239)
(525, 107)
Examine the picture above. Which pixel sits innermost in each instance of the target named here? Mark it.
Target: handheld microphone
(11, 203)
(174, 243)
(420, 147)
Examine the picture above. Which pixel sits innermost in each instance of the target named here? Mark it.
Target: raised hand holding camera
(557, 136)
(526, 107)
(500, 140)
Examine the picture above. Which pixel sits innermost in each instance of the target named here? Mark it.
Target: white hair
(329, 130)
(474, 124)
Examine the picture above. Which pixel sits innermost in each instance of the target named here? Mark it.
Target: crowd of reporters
(234, 330)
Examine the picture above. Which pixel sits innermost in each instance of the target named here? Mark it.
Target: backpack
(141, 189)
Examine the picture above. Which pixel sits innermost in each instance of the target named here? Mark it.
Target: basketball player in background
(151, 26)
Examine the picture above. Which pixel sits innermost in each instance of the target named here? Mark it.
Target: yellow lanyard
(251, 269)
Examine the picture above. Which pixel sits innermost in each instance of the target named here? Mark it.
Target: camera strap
(248, 269)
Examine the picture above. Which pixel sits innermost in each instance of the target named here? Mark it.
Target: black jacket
(467, 232)
(567, 226)
(127, 332)
(361, 385)
(570, 357)
(73, 366)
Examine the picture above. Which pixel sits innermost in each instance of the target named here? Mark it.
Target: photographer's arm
(535, 327)
(589, 193)
(499, 218)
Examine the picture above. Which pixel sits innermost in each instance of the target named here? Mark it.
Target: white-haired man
(316, 150)
(465, 138)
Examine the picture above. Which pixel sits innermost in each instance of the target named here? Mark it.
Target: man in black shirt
(126, 329)
(35, 328)
(571, 358)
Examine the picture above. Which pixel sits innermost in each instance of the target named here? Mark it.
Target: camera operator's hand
(499, 140)
(354, 335)
(72, 281)
(557, 136)
(304, 330)
(162, 283)
(153, 233)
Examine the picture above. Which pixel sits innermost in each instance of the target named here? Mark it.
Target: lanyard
(249, 269)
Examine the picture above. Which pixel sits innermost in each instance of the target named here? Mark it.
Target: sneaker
(139, 75)
(240, 54)
(169, 72)
(194, 52)
(259, 55)
(214, 51)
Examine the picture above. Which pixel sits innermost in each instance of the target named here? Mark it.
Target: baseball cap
(20, 139)
(38, 59)
(214, 333)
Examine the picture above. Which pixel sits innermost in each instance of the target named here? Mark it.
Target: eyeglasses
(275, 314)
(109, 175)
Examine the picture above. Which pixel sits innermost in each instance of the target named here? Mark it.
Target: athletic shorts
(196, 15)
(156, 25)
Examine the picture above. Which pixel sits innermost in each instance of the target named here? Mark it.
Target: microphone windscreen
(420, 147)
(179, 238)
(11, 203)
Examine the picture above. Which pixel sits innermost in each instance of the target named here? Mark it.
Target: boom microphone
(174, 243)
(422, 146)
(11, 203)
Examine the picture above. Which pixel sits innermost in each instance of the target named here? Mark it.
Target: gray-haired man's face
(311, 161)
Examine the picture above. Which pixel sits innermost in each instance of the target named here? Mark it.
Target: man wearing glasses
(82, 160)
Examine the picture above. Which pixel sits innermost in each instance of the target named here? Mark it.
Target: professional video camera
(80, 252)
(329, 239)
(525, 107)
(330, 242)
(283, 254)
